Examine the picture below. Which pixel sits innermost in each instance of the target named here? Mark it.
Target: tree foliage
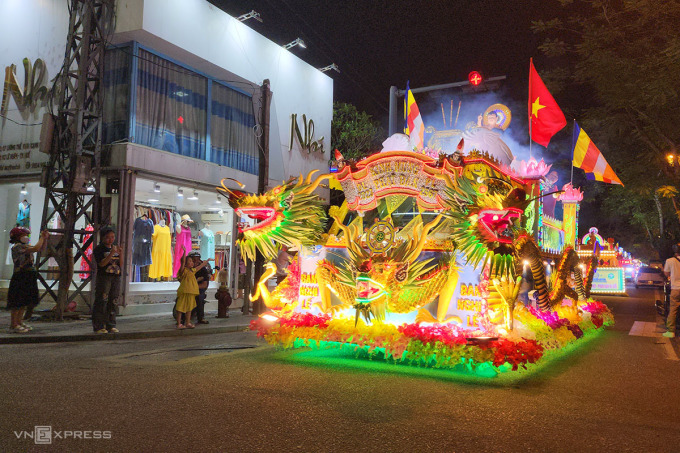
(355, 134)
(622, 57)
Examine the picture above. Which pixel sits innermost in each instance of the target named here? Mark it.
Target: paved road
(215, 393)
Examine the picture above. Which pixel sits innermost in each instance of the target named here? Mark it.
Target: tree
(624, 55)
(355, 134)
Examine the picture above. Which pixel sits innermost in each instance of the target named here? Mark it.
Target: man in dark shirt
(107, 257)
(203, 279)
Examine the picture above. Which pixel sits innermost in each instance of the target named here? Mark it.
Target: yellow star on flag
(536, 106)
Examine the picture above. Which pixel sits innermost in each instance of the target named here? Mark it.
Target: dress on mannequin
(183, 239)
(24, 214)
(207, 244)
(88, 254)
(141, 241)
(161, 252)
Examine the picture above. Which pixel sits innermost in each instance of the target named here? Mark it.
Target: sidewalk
(131, 327)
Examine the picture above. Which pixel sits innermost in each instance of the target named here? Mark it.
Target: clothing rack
(156, 213)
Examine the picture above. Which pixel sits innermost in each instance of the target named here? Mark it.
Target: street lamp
(297, 42)
(251, 15)
(332, 66)
(671, 159)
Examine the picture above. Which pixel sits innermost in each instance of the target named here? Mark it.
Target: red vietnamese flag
(544, 113)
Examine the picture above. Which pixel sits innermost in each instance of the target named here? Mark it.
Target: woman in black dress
(23, 287)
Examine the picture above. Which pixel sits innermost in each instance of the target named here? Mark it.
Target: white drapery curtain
(171, 107)
(232, 130)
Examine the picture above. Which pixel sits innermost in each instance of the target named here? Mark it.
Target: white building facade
(183, 109)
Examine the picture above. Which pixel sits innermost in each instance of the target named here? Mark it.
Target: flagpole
(530, 140)
(573, 146)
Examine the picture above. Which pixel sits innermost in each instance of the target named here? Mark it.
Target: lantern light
(475, 78)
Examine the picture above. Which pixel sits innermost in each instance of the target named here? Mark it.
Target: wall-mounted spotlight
(194, 196)
(23, 189)
(157, 188)
(251, 15)
(332, 66)
(180, 192)
(297, 42)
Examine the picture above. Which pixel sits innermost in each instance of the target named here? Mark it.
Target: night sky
(379, 43)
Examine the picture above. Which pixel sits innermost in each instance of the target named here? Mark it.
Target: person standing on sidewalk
(23, 287)
(188, 288)
(203, 280)
(107, 256)
(672, 270)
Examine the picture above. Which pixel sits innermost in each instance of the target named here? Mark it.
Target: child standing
(223, 297)
(188, 289)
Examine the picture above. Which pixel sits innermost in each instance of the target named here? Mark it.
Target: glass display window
(171, 218)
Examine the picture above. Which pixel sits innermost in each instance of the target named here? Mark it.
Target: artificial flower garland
(439, 345)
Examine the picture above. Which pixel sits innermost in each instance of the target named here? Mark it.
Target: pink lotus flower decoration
(570, 194)
(530, 169)
(430, 152)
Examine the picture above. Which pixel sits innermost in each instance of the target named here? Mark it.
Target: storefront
(183, 110)
(161, 211)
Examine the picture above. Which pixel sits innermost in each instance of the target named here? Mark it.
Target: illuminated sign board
(609, 280)
(309, 287)
(468, 301)
(406, 173)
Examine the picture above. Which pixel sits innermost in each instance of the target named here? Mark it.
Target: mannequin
(24, 214)
(161, 252)
(141, 241)
(207, 242)
(182, 239)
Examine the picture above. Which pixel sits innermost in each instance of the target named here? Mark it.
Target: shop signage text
(33, 95)
(306, 141)
(18, 157)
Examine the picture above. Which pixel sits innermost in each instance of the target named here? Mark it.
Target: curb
(35, 339)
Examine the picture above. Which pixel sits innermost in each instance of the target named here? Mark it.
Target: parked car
(650, 276)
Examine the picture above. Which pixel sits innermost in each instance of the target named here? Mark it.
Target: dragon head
(289, 214)
(485, 219)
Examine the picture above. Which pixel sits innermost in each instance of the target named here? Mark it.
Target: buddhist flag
(545, 116)
(415, 128)
(590, 159)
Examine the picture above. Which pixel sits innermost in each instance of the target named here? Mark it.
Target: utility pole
(71, 180)
(262, 180)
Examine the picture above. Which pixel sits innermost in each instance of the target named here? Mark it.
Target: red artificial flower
(516, 353)
(431, 334)
(597, 321)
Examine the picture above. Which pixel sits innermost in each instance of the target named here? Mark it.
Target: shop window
(116, 94)
(171, 107)
(232, 135)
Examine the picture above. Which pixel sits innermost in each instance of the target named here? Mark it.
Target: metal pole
(392, 127)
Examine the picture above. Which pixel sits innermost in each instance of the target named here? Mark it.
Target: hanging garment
(141, 241)
(183, 238)
(24, 215)
(161, 253)
(84, 267)
(207, 244)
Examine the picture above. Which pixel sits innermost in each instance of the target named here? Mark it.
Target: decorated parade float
(436, 258)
